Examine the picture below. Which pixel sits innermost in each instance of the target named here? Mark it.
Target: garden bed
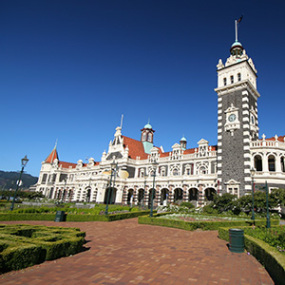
(22, 246)
(174, 221)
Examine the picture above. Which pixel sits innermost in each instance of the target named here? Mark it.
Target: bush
(189, 205)
(23, 245)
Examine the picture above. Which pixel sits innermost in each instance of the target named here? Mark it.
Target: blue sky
(69, 69)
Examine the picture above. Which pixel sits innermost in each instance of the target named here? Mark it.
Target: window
(239, 77)
(44, 179)
(258, 163)
(271, 163)
(225, 81)
(175, 172)
(232, 79)
(282, 164)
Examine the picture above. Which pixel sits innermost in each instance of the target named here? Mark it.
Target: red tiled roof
(64, 164)
(52, 156)
(164, 154)
(281, 139)
(135, 148)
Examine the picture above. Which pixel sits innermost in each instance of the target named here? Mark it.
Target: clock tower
(237, 120)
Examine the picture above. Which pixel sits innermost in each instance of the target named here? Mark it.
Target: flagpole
(236, 29)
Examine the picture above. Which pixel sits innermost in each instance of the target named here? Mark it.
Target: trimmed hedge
(268, 256)
(70, 217)
(203, 225)
(26, 217)
(25, 245)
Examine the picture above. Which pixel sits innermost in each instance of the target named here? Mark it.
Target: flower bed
(194, 218)
(274, 236)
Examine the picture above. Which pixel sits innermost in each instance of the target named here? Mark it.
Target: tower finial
(122, 118)
(55, 144)
(236, 27)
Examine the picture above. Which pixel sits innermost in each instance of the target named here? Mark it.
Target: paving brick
(125, 252)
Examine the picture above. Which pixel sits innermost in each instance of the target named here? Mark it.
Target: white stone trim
(247, 187)
(245, 106)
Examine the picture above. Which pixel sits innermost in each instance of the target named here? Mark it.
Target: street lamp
(113, 166)
(24, 163)
(154, 166)
(252, 172)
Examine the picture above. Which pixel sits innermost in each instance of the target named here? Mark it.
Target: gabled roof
(52, 156)
(135, 148)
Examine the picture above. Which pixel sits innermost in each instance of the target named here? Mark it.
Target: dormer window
(239, 77)
(232, 79)
(225, 81)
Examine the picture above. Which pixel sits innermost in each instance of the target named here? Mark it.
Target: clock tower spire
(237, 119)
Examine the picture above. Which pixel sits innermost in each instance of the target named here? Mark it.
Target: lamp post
(154, 165)
(252, 172)
(24, 163)
(113, 165)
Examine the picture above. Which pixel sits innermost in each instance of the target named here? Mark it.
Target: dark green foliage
(189, 205)
(24, 245)
(274, 236)
(229, 203)
(12, 216)
(278, 196)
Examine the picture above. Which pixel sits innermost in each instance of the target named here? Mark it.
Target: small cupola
(183, 143)
(147, 137)
(236, 49)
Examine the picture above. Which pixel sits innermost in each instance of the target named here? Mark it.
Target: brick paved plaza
(125, 252)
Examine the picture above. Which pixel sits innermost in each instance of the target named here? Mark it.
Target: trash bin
(60, 216)
(236, 240)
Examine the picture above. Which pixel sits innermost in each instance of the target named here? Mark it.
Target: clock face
(232, 117)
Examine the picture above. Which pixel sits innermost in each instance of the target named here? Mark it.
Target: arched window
(232, 79)
(175, 172)
(203, 170)
(144, 137)
(225, 81)
(258, 163)
(271, 163)
(282, 164)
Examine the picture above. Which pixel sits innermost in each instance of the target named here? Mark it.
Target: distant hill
(8, 179)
